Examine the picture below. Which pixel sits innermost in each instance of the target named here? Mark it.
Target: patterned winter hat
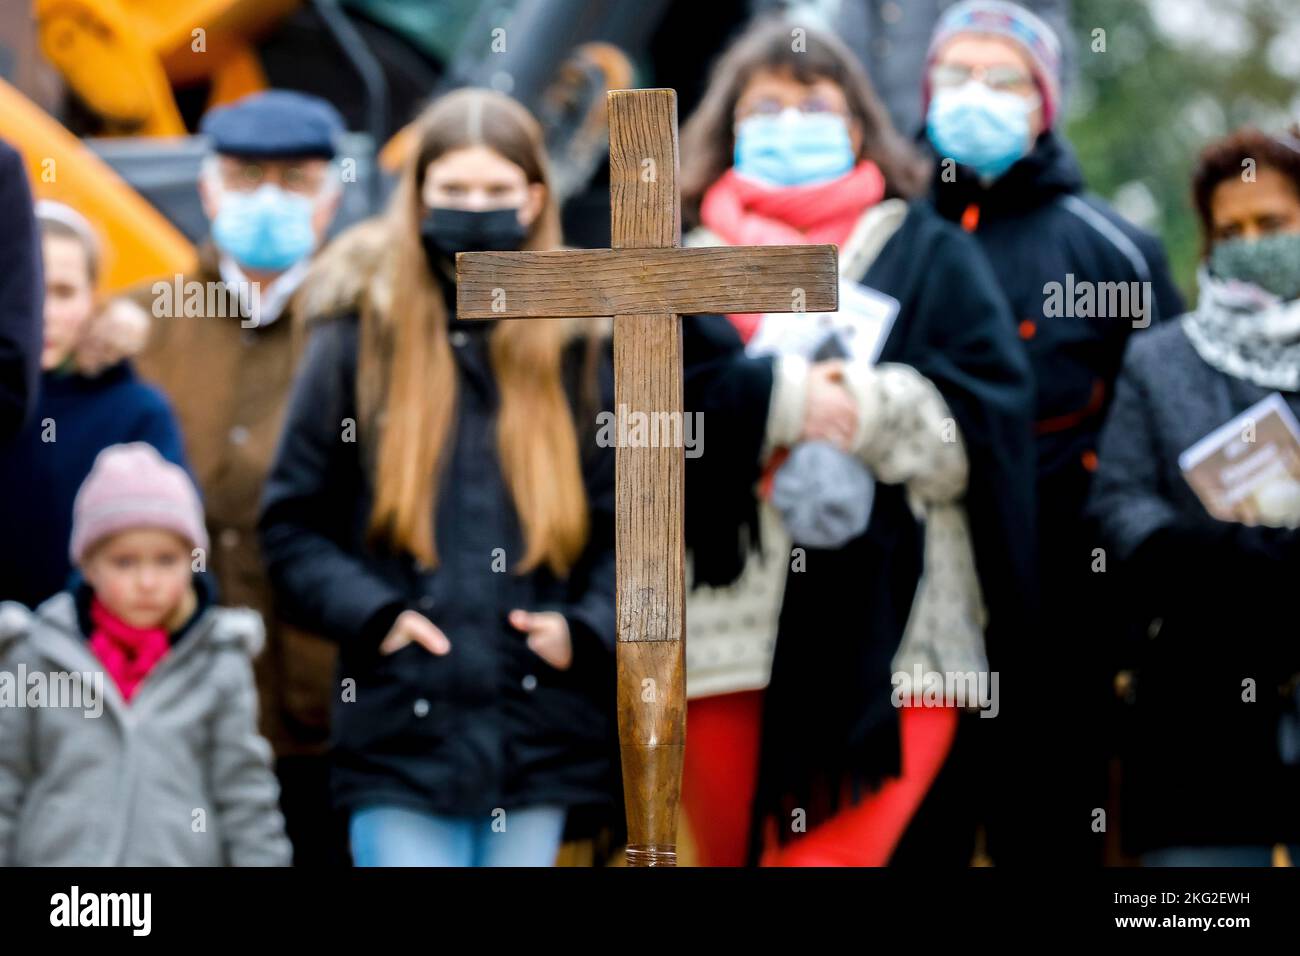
(1012, 21)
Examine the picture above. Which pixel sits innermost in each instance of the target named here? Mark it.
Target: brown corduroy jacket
(228, 385)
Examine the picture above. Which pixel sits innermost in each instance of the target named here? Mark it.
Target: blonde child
(129, 735)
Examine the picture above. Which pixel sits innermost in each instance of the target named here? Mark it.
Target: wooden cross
(646, 281)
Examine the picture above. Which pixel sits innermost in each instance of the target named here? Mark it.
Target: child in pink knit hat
(137, 528)
(162, 737)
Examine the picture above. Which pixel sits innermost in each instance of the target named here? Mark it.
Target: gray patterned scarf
(1246, 332)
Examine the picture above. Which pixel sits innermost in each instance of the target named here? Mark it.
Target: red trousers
(720, 773)
(721, 769)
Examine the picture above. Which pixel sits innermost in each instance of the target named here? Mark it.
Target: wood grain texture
(652, 720)
(645, 212)
(649, 484)
(588, 282)
(645, 208)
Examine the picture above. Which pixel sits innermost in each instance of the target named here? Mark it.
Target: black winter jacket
(1037, 226)
(490, 725)
(1051, 246)
(1206, 762)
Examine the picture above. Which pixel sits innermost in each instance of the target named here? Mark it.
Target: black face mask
(446, 231)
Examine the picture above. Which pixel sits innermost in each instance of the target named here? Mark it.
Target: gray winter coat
(1204, 766)
(178, 777)
(1167, 398)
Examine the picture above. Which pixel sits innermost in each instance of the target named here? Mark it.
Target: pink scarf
(746, 213)
(127, 653)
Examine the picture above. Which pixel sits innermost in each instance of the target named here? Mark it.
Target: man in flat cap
(221, 347)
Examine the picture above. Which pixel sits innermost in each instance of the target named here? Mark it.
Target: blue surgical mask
(985, 129)
(267, 229)
(793, 148)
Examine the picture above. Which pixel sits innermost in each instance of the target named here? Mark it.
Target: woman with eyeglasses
(862, 510)
(1080, 280)
(1212, 768)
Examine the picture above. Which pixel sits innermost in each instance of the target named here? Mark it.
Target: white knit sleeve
(786, 409)
(906, 433)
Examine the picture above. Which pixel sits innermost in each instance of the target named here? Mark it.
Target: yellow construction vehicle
(108, 126)
(140, 241)
(123, 59)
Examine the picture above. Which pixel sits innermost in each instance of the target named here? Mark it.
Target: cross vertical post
(646, 281)
(645, 212)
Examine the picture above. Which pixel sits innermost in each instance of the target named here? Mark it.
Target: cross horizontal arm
(573, 283)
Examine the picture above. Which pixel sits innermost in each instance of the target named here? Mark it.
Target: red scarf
(127, 653)
(746, 213)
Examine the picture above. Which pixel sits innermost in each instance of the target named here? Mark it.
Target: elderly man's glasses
(1004, 79)
(300, 178)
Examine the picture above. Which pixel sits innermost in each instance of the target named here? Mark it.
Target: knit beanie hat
(132, 486)
(1012, 21)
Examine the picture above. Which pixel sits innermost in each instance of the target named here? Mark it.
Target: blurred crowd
(338, 566)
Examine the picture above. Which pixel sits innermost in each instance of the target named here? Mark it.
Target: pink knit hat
(132, 486)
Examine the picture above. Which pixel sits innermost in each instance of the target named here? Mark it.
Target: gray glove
(823, 495)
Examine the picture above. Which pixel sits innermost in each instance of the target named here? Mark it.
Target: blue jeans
(385, 835)
(1216, 856)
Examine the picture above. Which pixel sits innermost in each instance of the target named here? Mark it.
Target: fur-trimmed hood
(236, 628)
(352, 270)
(355, 271)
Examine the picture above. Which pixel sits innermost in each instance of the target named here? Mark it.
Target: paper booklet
(1248, 469)
(857, 332)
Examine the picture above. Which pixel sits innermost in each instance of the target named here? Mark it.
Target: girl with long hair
(438, 506)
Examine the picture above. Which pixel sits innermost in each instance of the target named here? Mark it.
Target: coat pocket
(428, 680)
(562, 709)
(405, 703)
(530, 668)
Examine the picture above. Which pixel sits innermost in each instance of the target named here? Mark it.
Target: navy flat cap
(274, 124)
